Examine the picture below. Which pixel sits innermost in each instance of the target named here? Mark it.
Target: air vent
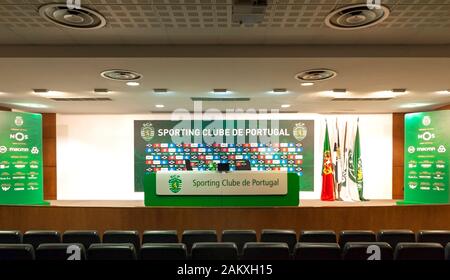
(356, 17)
(121, 75)
(361, 99)
(315, 75)
(82, 99)
(77, 18)
(220, 99)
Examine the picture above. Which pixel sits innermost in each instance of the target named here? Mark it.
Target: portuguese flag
(327, 170)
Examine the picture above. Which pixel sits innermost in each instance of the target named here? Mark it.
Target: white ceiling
(246, 77)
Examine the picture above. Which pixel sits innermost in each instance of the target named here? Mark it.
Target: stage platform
(311, 214)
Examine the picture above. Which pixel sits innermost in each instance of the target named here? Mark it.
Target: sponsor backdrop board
(21, 175)
(268, 145)
(427, 157)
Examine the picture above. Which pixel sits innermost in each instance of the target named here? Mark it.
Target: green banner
(21, 175)
(427, 157)
(268, 145)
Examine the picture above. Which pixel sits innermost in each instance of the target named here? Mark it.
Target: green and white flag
(355, 166)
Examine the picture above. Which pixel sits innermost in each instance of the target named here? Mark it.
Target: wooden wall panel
(398, 140)
(49, 155)
(415, 217)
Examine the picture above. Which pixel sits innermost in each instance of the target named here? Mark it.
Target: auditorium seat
(395, 236)
(317, 251)
(112, 251)
(122, 236)
(277, 235)
(16, 252)
(447, 252)
(356, 236)
(214, 251)
(435, 236)
(239, 237)
(195, 236)
(160, 236)
(419, 251)
(10, 237)
(358, 251)
(85, 237)
(60, 252)
(38, 237)
(266, 251)
(317, 236)
(163, 251)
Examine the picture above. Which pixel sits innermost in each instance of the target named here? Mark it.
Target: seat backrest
(366, 251)
(214, 251)
(419, 251)
(393, 237)
(163, 251)
(122, 236)
(317, 236)
(85, 237)
(239, 237)
(38, 237)
(10, 237)
(266, 251)
(190, 237)
(317, 251)
(279, 235)
(61, 252)
(435, 236)
(447, 252)
(112, 251)
(160, 236)
(16, 252)
(356, 236)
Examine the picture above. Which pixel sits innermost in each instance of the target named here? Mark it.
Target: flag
(327, 171)
(345, 194)
(352, 187)
(337, 165)
(357, 165)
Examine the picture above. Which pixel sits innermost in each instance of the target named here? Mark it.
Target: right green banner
(427, 157)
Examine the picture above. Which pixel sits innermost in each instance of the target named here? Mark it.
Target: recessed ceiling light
(443, 91)
(399, 91)
(339, 90)
(285, 106)
(221, 91)
(415, 105)
(314, 75)
(133, 84)
(78, 18)
(101, 91)
(307, 84)
(356, 16)
(47, 93)
(159, 106)
(31, 105)
(121, 75)
(160, 90)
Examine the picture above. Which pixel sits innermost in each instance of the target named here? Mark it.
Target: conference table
(211, 188)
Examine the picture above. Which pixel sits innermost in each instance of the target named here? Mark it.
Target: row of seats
(239, 237)
(227, 251)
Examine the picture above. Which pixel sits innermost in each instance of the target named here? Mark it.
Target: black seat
(160, 236)
(112, 251)
(317, 251)
(393, 237)
(85, 237)
(38, 237)
(16, 252)
(61, 252)
(10, 237)
(419, 251)
(163, 251)
(195, 236)
(239, 237)
(122, 236)
(317, 236)
(277, 235)
(356, 236)
(214, 251)
(360, 251)
(266, 251)
(447, 252)
(435, 236)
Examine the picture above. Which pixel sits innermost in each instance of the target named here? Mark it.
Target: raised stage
(311, 214)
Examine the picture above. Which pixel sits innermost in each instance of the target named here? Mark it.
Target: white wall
(95, 154)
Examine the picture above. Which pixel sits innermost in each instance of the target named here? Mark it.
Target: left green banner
(21, 173)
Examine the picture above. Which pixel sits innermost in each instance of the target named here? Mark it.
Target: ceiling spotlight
(340, 90)
(356, 16)
(314, 75)
(47, 93)
(399, 91)
(221, 91)
(443, 91)
(160, 90)
(285, 106)
(133, 84)
(40, 90)
(101, 91)
(307, 84)
(159, 106)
